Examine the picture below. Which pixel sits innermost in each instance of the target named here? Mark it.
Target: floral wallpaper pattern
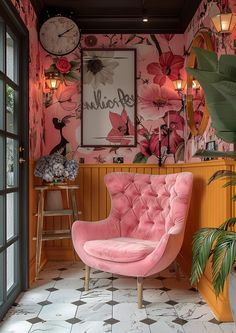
(222, 45)
(36, 75)
(160, 60)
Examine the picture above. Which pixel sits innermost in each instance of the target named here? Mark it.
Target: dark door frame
(13, 20)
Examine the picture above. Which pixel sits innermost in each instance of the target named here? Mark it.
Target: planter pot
(232, 293)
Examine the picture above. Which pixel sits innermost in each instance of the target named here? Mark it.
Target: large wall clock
(59, 35)
(203, 40)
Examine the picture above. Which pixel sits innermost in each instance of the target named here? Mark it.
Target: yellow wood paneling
(210, 206)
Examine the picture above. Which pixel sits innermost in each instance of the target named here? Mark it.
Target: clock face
(59, 35)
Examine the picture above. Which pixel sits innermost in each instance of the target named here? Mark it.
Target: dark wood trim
(13, 20)
(118, 20)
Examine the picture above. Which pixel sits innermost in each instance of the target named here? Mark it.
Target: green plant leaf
(209, 153)
(230, 183)
(202, 247)
(223, 259)
(206, 60)
(234, 197)
(222, 174)
(228, 224)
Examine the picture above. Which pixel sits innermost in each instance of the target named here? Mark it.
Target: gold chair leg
(87, 276)
(140, 292)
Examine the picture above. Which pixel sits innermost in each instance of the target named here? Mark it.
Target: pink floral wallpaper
(36, 75)
(222, 45)
(55, 118)
(160, 60)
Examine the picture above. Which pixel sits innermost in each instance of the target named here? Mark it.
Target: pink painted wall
(36, 75)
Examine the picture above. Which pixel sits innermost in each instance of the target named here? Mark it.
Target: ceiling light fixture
(144, 13)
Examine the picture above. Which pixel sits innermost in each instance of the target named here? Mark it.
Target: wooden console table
(71, 211)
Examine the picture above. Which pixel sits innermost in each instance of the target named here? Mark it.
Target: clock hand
(60, 35)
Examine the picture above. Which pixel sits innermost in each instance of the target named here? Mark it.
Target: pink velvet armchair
(145, 229)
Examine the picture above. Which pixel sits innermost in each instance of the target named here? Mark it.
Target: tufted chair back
(149, 206)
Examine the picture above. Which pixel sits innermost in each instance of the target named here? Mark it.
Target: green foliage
(218, 244)
(140, 158)
(217, 78)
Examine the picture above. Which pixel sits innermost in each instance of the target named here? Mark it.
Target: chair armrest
(83, 230)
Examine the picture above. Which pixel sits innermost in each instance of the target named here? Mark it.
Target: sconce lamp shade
(179, 84)
(52, 80)
(224, 23)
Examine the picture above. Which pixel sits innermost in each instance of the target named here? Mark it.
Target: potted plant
(218, 245)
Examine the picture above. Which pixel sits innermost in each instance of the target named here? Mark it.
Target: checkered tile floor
(58, 304)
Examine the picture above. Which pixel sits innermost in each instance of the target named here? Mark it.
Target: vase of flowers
(55, 168)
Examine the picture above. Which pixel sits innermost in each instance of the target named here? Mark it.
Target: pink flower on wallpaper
(167, 37)
(150, 147)
(63, 65)
(122, 128)
(67, 98)
(156, 100)
(176, 125)
(175, 119)
(169, 66)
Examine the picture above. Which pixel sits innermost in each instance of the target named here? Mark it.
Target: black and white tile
(57, 303)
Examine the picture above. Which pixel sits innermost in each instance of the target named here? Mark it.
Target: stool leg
(87, 277)
(140, 292)
(72, 202)
(39, 233)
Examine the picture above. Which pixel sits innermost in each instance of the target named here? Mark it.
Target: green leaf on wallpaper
(208, 60)
(74, 65)
(140, 158)
(72, 76)
(52, 68)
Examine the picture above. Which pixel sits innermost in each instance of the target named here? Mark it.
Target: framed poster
(108, 92)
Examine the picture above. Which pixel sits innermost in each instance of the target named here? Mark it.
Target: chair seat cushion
(122, 249)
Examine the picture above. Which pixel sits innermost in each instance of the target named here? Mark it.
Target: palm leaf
(222, 174)
(223, 259)
(202, 245)
(234, 197)
(228, 224)
(209, 153)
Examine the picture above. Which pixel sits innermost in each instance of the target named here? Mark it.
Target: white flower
(98, 68)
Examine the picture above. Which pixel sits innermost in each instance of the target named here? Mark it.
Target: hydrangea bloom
(56, 166)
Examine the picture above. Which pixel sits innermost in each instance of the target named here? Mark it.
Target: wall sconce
(224, 23)
(179, 84)
(52, 80)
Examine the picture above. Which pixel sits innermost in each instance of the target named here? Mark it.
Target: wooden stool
(71, 212)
